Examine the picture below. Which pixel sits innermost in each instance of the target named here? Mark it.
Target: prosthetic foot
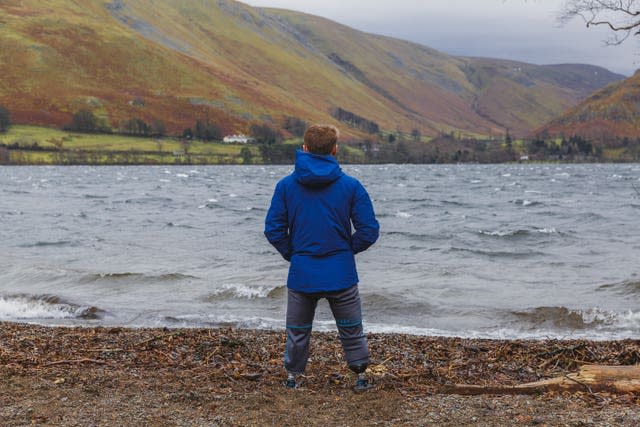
(291, 381)
(362, 383)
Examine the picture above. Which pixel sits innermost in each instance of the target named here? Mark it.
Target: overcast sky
(525, 30)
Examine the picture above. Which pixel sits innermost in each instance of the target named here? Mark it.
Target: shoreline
(160, 376)
(414, 332)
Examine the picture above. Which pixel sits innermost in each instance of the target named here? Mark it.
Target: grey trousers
(345, 306)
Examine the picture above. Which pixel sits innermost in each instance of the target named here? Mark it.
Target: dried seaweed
(194, 363)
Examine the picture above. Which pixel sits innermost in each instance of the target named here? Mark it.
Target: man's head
(321, 139)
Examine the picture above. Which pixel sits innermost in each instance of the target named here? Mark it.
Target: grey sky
(525, 30)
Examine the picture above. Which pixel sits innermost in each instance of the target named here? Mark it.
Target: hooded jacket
(310, 223)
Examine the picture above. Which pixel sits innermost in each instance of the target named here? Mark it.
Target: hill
(228, 63)
(607, 116)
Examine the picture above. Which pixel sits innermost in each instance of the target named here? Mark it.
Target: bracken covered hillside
(226, 62)
(611, 113)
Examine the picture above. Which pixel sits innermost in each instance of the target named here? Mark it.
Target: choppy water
(469, 250)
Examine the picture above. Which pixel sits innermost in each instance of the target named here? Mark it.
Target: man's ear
(335, 150)
(304, 147)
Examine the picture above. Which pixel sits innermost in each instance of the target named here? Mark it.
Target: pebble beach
(84, 376)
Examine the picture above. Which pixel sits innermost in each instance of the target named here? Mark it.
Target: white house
(237, 139)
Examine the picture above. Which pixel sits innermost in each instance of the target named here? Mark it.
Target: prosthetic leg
(362, 383)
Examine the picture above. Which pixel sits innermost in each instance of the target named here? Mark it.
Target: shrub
(5, 119)
(86, 121)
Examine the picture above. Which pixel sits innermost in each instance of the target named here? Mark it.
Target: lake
(499, 251)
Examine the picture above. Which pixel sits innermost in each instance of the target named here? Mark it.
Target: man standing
(309, 223)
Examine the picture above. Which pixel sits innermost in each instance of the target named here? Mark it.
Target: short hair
(320, 139)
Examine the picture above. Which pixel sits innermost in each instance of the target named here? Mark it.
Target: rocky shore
(192, 377)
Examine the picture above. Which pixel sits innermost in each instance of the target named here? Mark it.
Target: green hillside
(219, 60)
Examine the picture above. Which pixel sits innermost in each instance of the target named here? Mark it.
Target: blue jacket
(309, 223)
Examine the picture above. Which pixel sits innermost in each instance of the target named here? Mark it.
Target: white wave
(253, 322)
(232, 195)
(504, 233)
(526, 202)
(212, 200)
(401, 214)
(498, 233)
(551, 230)
(506, 175)
(506, 333)
(270, 323)
(27, 307)
(598, 315)
(164, 180)
(182, 175)
(380, 328)
(241, 290)
(629, 319)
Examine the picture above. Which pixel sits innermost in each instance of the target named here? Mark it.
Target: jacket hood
(316, 170)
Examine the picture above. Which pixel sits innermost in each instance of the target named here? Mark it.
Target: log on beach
(590, 378)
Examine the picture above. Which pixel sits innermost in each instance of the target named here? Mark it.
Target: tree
(158, 128)
(620, 16)
(415, 133)
(508, 140)
(265, 134)
(5, 119)
(86, 121)
(247, 155)
(355, 120)
(136, 127)
(207, 131)
(295, 125)
(187, 134)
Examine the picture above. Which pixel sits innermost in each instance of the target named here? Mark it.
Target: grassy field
(42, 145)
(34, 145)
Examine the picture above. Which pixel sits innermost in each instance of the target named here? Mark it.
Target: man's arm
(364, 221)
(276, 224)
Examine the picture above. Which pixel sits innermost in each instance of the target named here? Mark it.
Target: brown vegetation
(89, 376)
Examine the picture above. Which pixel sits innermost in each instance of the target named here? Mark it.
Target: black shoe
(362, 384)
(291, 381)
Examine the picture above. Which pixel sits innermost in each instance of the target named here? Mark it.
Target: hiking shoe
(291, 381)
(362, 384)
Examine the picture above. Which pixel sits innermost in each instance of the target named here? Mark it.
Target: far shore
(118, 376)
(30, 145)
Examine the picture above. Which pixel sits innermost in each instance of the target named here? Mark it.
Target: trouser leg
(300, 311)
(346, 309)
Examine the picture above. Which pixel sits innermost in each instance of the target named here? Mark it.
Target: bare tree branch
(622, 17)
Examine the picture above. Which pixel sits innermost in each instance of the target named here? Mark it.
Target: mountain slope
(609, 114)
(233, 64)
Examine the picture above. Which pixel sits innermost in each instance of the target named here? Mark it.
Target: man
(309, 223)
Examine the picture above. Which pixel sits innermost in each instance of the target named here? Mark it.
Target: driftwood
(590, 378)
